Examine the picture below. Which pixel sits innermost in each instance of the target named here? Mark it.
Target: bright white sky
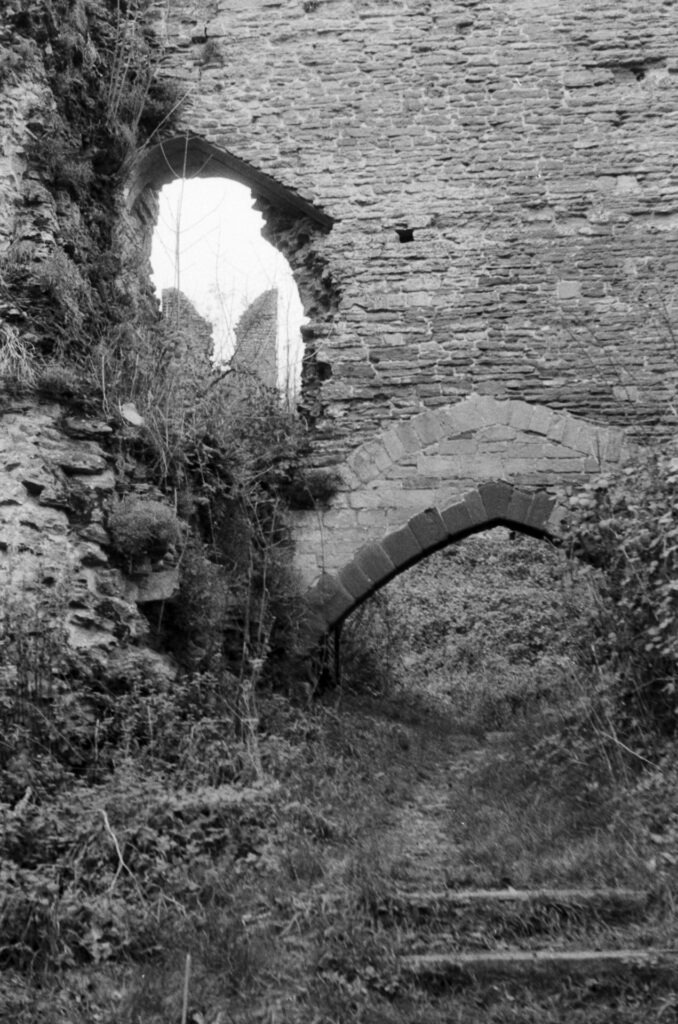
(224, 264)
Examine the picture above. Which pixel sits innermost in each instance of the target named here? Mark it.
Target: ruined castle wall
(528, 150)
(256, 339)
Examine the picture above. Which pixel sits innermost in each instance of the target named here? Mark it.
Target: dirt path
(419, 840)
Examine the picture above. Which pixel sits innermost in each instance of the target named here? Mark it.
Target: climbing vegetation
(625, 526)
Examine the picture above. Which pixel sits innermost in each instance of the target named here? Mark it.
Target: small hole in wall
(310, 5)
(405, 234)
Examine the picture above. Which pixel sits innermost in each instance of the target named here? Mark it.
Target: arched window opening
(213, 271)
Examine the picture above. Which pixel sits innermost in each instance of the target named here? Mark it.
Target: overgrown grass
(277, 877)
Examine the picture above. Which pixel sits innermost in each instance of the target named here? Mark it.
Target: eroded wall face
(529, 147)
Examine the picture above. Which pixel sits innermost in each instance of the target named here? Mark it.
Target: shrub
(625, 525)
(144, 529)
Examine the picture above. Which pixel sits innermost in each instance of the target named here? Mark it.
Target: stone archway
(433, 459)
(493, 503)
(478, 463)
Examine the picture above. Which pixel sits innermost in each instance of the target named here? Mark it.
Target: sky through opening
(208, 243)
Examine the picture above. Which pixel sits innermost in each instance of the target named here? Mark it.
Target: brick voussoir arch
(373, 458)
(494, 503)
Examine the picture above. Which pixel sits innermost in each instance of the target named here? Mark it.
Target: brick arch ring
(494, 503)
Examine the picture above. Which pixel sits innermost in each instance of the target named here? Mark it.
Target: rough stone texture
(528, 149)
(479, 199)
(480, 441)
(191, 332)
(53, 493)
(256, 339)
(56, 486)
(493, 503)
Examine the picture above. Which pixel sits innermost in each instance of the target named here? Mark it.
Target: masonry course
(479, 201)
(529, 148)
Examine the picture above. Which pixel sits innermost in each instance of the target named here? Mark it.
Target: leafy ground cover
(261, 883)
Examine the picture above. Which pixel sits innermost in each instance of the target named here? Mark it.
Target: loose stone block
(428, 528)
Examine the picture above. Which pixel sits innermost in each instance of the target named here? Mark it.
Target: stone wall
(502, 177)
(256, 339)
(191, 333)
(56, 485)
(438, 456)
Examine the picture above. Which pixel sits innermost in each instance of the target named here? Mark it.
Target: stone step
(541, 966)
(600, 904)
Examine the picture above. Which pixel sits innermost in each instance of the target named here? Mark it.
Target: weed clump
(144, 529)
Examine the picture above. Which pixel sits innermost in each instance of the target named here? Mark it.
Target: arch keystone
(496, 497)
